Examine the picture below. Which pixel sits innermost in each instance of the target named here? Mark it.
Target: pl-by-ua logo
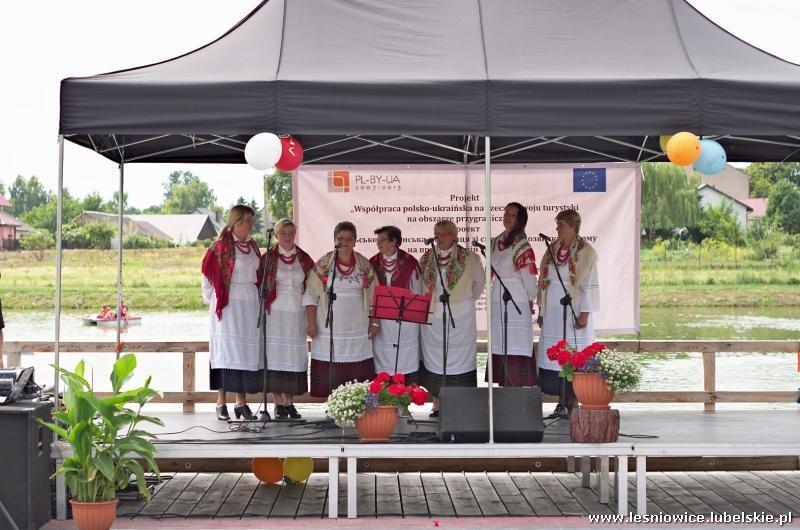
(338, 181)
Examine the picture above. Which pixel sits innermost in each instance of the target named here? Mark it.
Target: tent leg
(119, 255)
(59, 214)
(487, 199)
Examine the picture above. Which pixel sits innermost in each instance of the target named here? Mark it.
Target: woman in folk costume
(229, 285)
(515, 263)
(396, 268)
(287, 353)
(576, 260)
(464, 279)
(352, 330)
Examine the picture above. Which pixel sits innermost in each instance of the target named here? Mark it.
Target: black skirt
(240, 381)
(293, 383)
(550, 384)
(521, 370)
(343, 373)
(433, 382)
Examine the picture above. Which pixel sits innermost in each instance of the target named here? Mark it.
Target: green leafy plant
(104, 434)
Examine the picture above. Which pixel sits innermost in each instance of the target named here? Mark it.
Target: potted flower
(596, 372)
(106, 442)
(372, 406)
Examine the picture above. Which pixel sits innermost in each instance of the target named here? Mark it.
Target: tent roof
(382, 80)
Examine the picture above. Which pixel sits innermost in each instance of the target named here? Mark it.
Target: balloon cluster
(272, 470)
(684, 148)
(266, 150)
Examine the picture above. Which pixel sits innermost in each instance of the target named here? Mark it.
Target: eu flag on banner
(589, 179)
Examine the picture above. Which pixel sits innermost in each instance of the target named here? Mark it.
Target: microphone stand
(506, 298)
(444, 298)
(329, 321)
(262, 325)
(561, 410)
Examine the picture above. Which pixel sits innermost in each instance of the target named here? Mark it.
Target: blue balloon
(712, 158)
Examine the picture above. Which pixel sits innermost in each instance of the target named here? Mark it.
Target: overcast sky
(41, 42)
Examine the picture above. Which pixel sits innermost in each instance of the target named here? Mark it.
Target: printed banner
(413, 198)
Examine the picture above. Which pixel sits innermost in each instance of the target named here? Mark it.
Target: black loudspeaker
(25, 457)
(464, 415)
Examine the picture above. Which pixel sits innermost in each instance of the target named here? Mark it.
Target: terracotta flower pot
(592, 391)
(377, 424)
(94, 515)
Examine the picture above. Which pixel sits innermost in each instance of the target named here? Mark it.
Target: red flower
(579, 359)
(555, 349)
(397, 389)
(399, 378)
(563, 357)
(419, 395)
(375, 387)
(383, 377)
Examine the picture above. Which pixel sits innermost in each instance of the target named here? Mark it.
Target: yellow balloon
(663, 140)
(268, 470)
(683, 148)
(298, 469)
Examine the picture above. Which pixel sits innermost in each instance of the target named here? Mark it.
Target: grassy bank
(167, 279)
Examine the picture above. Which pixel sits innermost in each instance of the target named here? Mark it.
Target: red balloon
(292, 155)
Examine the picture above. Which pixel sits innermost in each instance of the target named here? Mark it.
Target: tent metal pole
(119, 255)
(487, 194)
(59, 213)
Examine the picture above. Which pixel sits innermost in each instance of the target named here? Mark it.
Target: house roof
(758, 205)
(734, 199)
(179, 227)
(9, 220)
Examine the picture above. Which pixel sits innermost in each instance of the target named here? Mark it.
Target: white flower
(621, 371)
(346, 403)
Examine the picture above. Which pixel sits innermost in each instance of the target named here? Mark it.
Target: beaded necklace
(349, 268)
(243, 246)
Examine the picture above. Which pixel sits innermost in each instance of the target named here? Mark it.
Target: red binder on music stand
(397, 303)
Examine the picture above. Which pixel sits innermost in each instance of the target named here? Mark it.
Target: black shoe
(281, 412)
(293, 412)
(244, 412)
(434, 414)
(222, 413)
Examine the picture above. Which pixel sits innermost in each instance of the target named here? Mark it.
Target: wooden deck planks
(439, 502)
(240, 496)
(209, 495)
(412, 495)
(160, 503)
(313, 501)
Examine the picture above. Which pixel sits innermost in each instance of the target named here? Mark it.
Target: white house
(711, 196)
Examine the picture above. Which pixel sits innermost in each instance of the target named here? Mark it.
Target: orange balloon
(683, 148)
(268, 470)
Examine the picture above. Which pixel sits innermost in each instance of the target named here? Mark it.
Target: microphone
(337, 246)
(546, 238)
(430, 240)
(476, 244)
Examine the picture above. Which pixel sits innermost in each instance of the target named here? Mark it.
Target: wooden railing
(709, 396)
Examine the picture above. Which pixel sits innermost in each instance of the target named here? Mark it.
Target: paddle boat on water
(108, 317)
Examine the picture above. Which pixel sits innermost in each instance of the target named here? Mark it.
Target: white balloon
(263, 151)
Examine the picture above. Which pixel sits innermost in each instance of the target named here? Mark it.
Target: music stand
(401, 305)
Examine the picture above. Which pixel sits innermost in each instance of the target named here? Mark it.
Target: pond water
(735, 371)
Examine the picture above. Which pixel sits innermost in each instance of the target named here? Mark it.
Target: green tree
(112, 206)
(184, 192)
(764, 176)
(44, 216)
(38, 242)
(93, 202)
(258, 222)
(719, 222)
(783, 206)
(669, 198)
(278, 188)
(2, 188)
(27, 195)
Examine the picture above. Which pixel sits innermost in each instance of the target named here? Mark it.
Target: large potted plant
(596, 372)
(106, 442)
(372, 407)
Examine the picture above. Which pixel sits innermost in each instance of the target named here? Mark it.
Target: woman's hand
(530, 304)
(374, 328)
(583, 319)
(312, 328)
(540, 321)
